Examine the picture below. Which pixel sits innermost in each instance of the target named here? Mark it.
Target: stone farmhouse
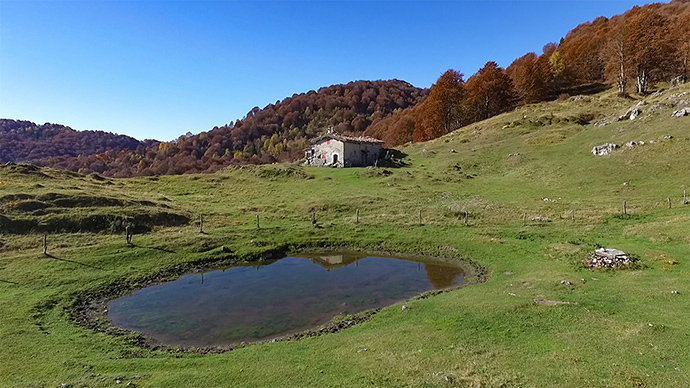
(334, 150)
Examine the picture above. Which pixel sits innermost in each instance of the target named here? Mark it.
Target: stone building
(334, 150)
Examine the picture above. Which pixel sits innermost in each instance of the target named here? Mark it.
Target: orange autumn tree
(647, 31)
(396, 129)
(443, 110)
(680, 35)
(580, 51)
(640, 47)
(489, 92)
(532, 78)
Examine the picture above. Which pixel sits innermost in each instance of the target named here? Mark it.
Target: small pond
(282, 297)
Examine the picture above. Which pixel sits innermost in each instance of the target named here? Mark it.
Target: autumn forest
(631, 52)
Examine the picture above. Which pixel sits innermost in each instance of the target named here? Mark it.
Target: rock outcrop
(604, 149)
(682, 112)
(631, 114)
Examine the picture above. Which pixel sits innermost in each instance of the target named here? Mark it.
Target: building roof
(347, 139)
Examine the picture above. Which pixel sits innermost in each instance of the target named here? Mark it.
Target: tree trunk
(642, 81)
(622, 79)
(487, 107)
(621, 84)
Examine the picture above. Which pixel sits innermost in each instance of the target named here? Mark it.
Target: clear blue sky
(157, 69)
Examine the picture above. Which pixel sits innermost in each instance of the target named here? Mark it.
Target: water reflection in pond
(286, 296)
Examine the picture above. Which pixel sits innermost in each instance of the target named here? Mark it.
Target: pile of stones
(609, 258)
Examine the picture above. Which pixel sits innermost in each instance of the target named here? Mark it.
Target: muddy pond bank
(91, 310)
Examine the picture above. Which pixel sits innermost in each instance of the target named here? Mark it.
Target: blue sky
(158, 69)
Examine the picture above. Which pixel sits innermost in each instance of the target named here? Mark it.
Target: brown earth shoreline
(90, 310)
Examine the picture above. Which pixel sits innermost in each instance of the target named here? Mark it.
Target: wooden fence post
(257, 222)
(45, 244)
(625, 207)
(685, 197)
(201, 223)
(420, 217)
(524, 217)
(572, 215)
(313, 218)
(357, 217)
(669, 202)
(466, 218)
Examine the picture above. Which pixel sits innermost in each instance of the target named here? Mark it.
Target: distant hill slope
(25, 141)
(635, 50)
(278, 132)
(645, 45)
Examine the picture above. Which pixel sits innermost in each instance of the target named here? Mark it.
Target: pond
(247, 304)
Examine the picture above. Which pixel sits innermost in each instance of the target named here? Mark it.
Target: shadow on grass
(71, 261)
(588, 89)
(393, 158)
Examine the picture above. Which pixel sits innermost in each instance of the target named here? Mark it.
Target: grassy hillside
(622, 328)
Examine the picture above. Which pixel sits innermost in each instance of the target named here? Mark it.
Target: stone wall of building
(361, 154)
(327, 153)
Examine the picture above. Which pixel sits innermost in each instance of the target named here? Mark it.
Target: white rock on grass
(631, 114)
(604, 149)
(683, 112)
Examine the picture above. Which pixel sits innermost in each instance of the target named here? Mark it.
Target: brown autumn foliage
(680, 38)
(443, 110)
(590, 53)
(489, 92)
(532, 78)
(644, 45)
(396, 129)
(278, 132)
(580, 52)
(25, 141)
(639, 48)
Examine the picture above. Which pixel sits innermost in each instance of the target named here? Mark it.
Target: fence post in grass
(127, 234)
(313, 218)
(45, 244)
(669, 202)
(420, 217)
(625, 207)
(572, 215)
(685, 197)
(257, 222)
(357, 217)
(524, 217)
(466, 218)
(201, 223)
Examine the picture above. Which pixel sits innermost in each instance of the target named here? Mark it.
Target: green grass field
(623, 328)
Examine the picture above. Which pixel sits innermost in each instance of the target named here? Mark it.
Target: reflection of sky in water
(289, 295)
